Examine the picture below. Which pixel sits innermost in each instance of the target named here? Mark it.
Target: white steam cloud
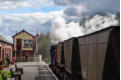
(98, 22)
(60, 30)
(77, 9)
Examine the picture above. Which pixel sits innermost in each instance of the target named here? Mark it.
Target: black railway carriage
(100, 54)
(112, 60)
(60, 55)
(72, 59)
(53, 57)
(60, 61)
(71, 56)
(95, 56)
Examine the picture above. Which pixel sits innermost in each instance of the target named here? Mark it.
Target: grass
(47, 60)
(7, 74)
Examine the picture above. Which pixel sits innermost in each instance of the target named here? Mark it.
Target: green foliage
(44, 46)
(47, 59)
(8, 74)
(118, 17)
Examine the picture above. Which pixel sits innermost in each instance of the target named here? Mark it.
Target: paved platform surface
(36, 71)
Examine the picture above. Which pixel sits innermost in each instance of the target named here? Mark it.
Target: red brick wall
(5, 49)
(25, 53)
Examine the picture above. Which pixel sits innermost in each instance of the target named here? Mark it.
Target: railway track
(45, 73)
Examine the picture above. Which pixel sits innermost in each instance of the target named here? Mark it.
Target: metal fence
(29, 59)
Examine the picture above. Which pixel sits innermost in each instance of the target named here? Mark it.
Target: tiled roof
(23, 31)
(3, 39)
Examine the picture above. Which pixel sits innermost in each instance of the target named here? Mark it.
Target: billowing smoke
(77, 20)
(98, 22)
(61, 30)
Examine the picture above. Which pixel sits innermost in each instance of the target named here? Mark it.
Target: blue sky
(33, 16)
(36, 16)
(44, 9)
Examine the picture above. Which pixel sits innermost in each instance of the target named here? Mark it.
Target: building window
(28, 43)
(14, 54)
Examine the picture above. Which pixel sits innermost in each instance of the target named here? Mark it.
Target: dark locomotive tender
(95, 56)
(100, 54)
(53, 57)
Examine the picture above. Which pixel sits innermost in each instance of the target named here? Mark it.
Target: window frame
(29, 43)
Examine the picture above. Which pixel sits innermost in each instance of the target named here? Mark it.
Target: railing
(29, 59)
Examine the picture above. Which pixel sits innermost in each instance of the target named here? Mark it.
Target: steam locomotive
(95, 56)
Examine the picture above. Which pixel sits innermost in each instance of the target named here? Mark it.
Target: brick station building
(23, 44)
(5, 48)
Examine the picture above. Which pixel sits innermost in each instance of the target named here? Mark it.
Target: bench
(3, 66)
(18, 69)
(16, 75)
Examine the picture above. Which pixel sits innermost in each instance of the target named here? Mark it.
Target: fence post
(40, 58)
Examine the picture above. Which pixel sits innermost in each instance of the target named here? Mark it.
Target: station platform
(45, 73)
(36, 71)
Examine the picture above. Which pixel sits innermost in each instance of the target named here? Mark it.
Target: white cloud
(40, 22)
(32, 22)
(67, 27)
(14, 4)
(92, 6)
(75, 10)
(98, 22)
(61, 30)
(66, 2)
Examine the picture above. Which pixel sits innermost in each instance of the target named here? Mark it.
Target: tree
(118, 17)
(44, 44)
